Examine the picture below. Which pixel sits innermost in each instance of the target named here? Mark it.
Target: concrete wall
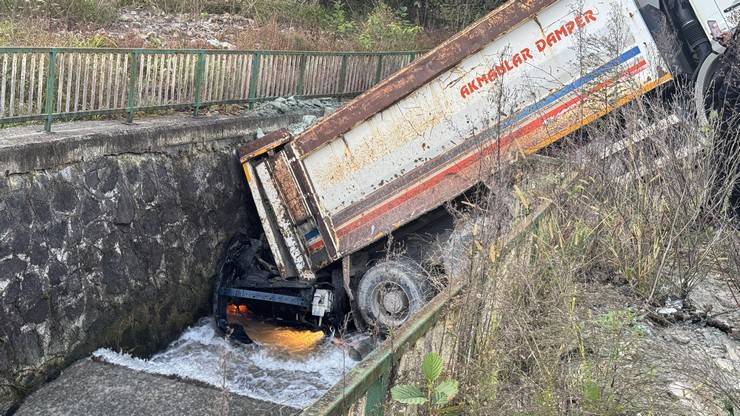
(110, 236)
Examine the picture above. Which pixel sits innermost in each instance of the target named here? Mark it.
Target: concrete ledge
(26, 149)
(95, 388)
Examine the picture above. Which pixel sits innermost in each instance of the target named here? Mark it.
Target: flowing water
(295, 378)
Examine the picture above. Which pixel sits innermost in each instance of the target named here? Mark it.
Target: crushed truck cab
(521, 78)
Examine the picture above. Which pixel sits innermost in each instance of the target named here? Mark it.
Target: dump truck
(385, 164)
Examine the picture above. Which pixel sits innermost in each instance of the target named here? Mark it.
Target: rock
(357, 345)
(712, 295)
(220, 45)
(125, 207)
(672, 306)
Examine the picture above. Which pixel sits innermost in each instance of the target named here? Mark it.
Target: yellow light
(289, 340)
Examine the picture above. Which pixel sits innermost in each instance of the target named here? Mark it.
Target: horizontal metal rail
(270, 297)
(67, 83)
(370, 379)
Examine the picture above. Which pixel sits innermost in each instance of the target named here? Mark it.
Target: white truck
(524, 76)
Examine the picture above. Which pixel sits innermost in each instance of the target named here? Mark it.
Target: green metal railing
(62, 83)
(370, 380)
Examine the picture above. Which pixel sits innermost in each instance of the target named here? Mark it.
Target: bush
(386, 30)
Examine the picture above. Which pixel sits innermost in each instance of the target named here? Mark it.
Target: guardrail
(61, 83)
(364, 389)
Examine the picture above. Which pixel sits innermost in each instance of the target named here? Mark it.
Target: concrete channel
(109, 238)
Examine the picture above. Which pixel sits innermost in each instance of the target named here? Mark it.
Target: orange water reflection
(285, 339)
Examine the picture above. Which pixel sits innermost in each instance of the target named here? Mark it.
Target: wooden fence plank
(85, 82)
(61, 74)
(22, 84)
(94, 82)
(13, 71)
(31, 84)
(3, 83)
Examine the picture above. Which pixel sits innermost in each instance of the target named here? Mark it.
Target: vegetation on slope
(270, 24)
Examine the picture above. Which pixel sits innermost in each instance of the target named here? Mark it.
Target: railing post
(132, 81)
(253, 79)
(343, 75)
(199, 69)
(301, 75)
(51, 80)
(379, 69)
(376, 393)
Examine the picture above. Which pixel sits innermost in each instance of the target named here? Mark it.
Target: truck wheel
(391, 292)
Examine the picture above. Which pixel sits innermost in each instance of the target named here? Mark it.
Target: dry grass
(649, 222)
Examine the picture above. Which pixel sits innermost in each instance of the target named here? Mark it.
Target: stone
(220, 45)
(125, 207)
(65, 197)
(39, 254)
(12, 266)
(89, 211)
(148, 188)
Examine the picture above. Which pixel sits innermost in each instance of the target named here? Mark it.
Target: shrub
(386, 30)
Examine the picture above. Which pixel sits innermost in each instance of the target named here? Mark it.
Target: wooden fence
(62, 83)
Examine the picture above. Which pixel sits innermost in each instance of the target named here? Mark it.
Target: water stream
(201, 354)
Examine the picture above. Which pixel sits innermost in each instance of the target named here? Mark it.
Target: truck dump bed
(519, 79)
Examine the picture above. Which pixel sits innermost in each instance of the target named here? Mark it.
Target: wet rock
(712, 296)
(357, 345)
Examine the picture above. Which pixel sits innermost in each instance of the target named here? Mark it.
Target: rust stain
(263, 144)
(288, 188)
(306, 189)
(384, 141)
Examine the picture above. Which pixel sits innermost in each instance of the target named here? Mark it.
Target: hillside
(237, 24)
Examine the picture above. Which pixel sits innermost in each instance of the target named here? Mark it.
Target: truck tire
(703, 85)
(391, 292)
(457, 252)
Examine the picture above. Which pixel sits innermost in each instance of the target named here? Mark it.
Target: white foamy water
(201, 354)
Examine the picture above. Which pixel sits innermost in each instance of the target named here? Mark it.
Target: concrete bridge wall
(110, 236)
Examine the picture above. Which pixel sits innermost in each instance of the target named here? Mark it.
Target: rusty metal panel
(290, 244)
(289, 191)
(272, 233)
(323, 224)
(265, 143)
(519, 93)
(449, 53)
